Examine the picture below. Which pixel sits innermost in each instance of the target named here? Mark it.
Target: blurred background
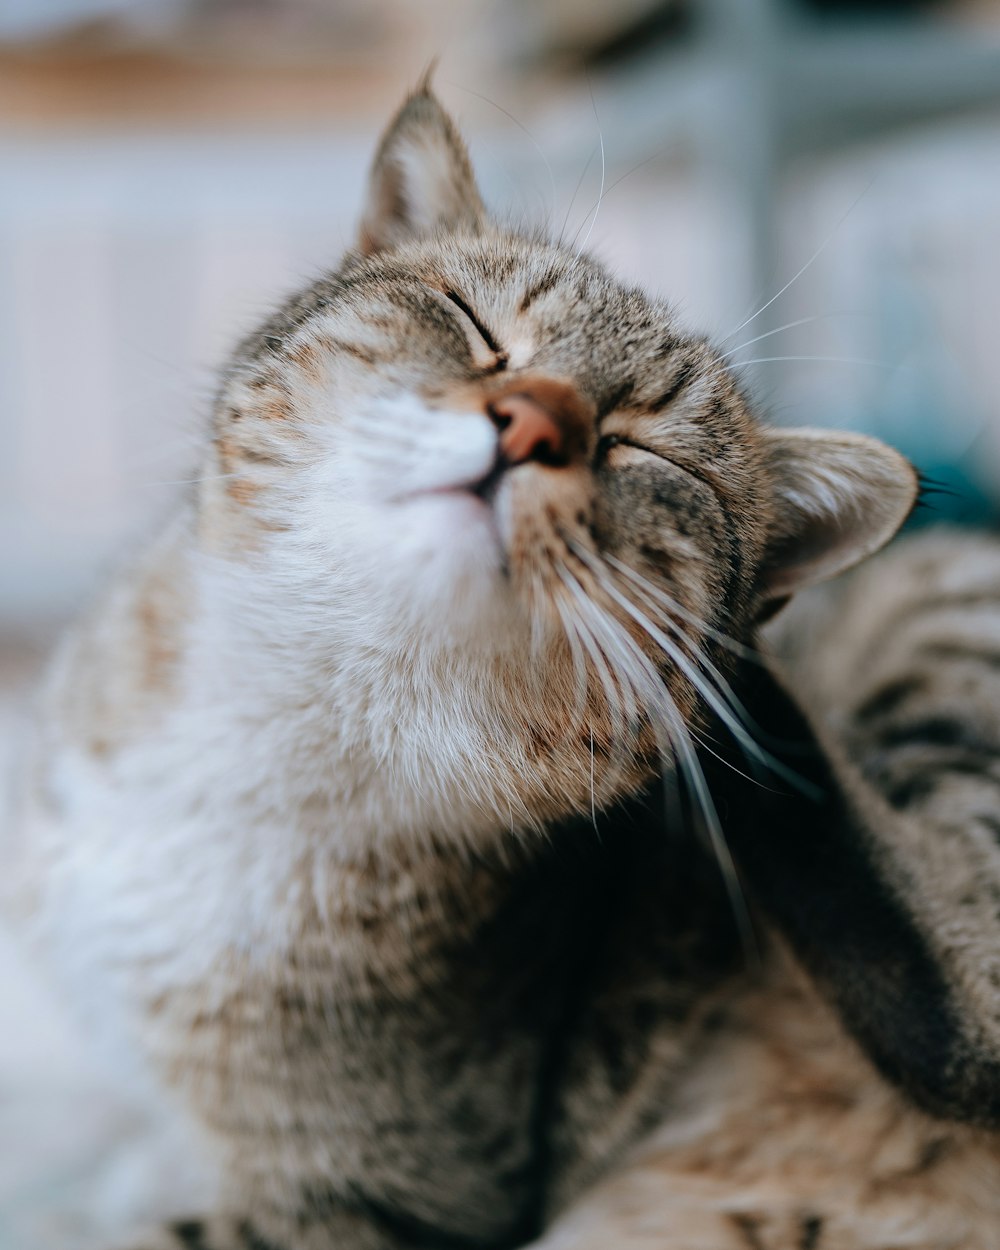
(816, 183)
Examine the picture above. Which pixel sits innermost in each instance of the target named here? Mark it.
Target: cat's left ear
(421, 181)
(838, 498)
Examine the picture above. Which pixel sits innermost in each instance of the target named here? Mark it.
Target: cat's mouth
(465, 508)
(485, 488)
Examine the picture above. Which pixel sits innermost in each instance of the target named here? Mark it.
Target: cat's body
(343, 807)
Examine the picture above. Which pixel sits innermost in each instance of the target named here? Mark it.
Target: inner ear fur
(837, 498)
(421, 181)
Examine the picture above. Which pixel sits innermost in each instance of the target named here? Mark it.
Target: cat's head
(471, 441)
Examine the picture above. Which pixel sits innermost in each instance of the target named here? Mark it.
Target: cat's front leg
(869, 895)
(292, 1228)
(788, 1139)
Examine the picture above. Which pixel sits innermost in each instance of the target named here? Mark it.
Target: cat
(378, 814)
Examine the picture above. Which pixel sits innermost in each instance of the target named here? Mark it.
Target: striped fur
(365, 812)
(902, 669)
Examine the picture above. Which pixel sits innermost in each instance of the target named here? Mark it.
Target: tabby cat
(379, 815)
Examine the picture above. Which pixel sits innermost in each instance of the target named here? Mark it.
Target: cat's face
(480, 442)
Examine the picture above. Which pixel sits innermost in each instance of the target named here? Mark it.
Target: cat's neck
(306, 717)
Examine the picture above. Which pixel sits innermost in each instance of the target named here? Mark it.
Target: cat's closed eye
(605, 444)
(609, 441)
(498, 360)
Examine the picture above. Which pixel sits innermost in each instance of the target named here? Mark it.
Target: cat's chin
(446, 572)
(456, 525)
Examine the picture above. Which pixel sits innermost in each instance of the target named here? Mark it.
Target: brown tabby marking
(394, 860)
(804, 1148)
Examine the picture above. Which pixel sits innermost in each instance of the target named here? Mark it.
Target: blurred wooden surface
(149, 88)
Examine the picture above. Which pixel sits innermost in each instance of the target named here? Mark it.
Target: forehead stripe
(541, 287)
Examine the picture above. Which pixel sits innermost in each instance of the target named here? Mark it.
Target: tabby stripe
(682, 378)
(734, 563)
(252, 1239)
(190, 1233)
(615, 400)
(905, 791)
(938, 731)
(409, 1230)
(965, 599)
(961, 653)
(990, 823)
(910, 610)
(888, 698)
(815, 868)
(481, 329)
(812, 1230)
(734, 529)
(946, 746)
(541, 287)
(748, 1227)
(358, 350)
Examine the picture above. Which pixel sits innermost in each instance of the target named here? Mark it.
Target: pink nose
(528, 431)
(546, 421)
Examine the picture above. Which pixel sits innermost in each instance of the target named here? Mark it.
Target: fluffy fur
(345, 811)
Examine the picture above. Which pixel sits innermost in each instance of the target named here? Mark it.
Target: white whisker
(715, 698)
(576, 192)
(678, 744)
(579, 661)
(811, 261)
(672, 606)
(635, 674)
(621, 696)
(600, 197)
(836, 360)
(790, 325)
(720, 697)
(531, 139)
(617, 182)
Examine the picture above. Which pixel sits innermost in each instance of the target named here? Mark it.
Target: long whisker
(531, 139)
(621, 691)
(617, 182)
(537, 599)
(649, 594)
(712, 697)
(789, 325)
(636, 672)
(576, 192)
(811, 261)
(600, 197)
(579, 665)
(677, 745)
(571, 631)
(705, 745)
(710, 684)
(696, 778)
(672, 606)
(836, 360)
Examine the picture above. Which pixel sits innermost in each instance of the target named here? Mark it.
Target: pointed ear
(838, 498)
(421, 180)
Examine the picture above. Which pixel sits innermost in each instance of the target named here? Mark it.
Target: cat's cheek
(536, 510)
(504, 517)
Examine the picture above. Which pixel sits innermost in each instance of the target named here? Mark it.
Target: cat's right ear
(421, 181)
(838, 498)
